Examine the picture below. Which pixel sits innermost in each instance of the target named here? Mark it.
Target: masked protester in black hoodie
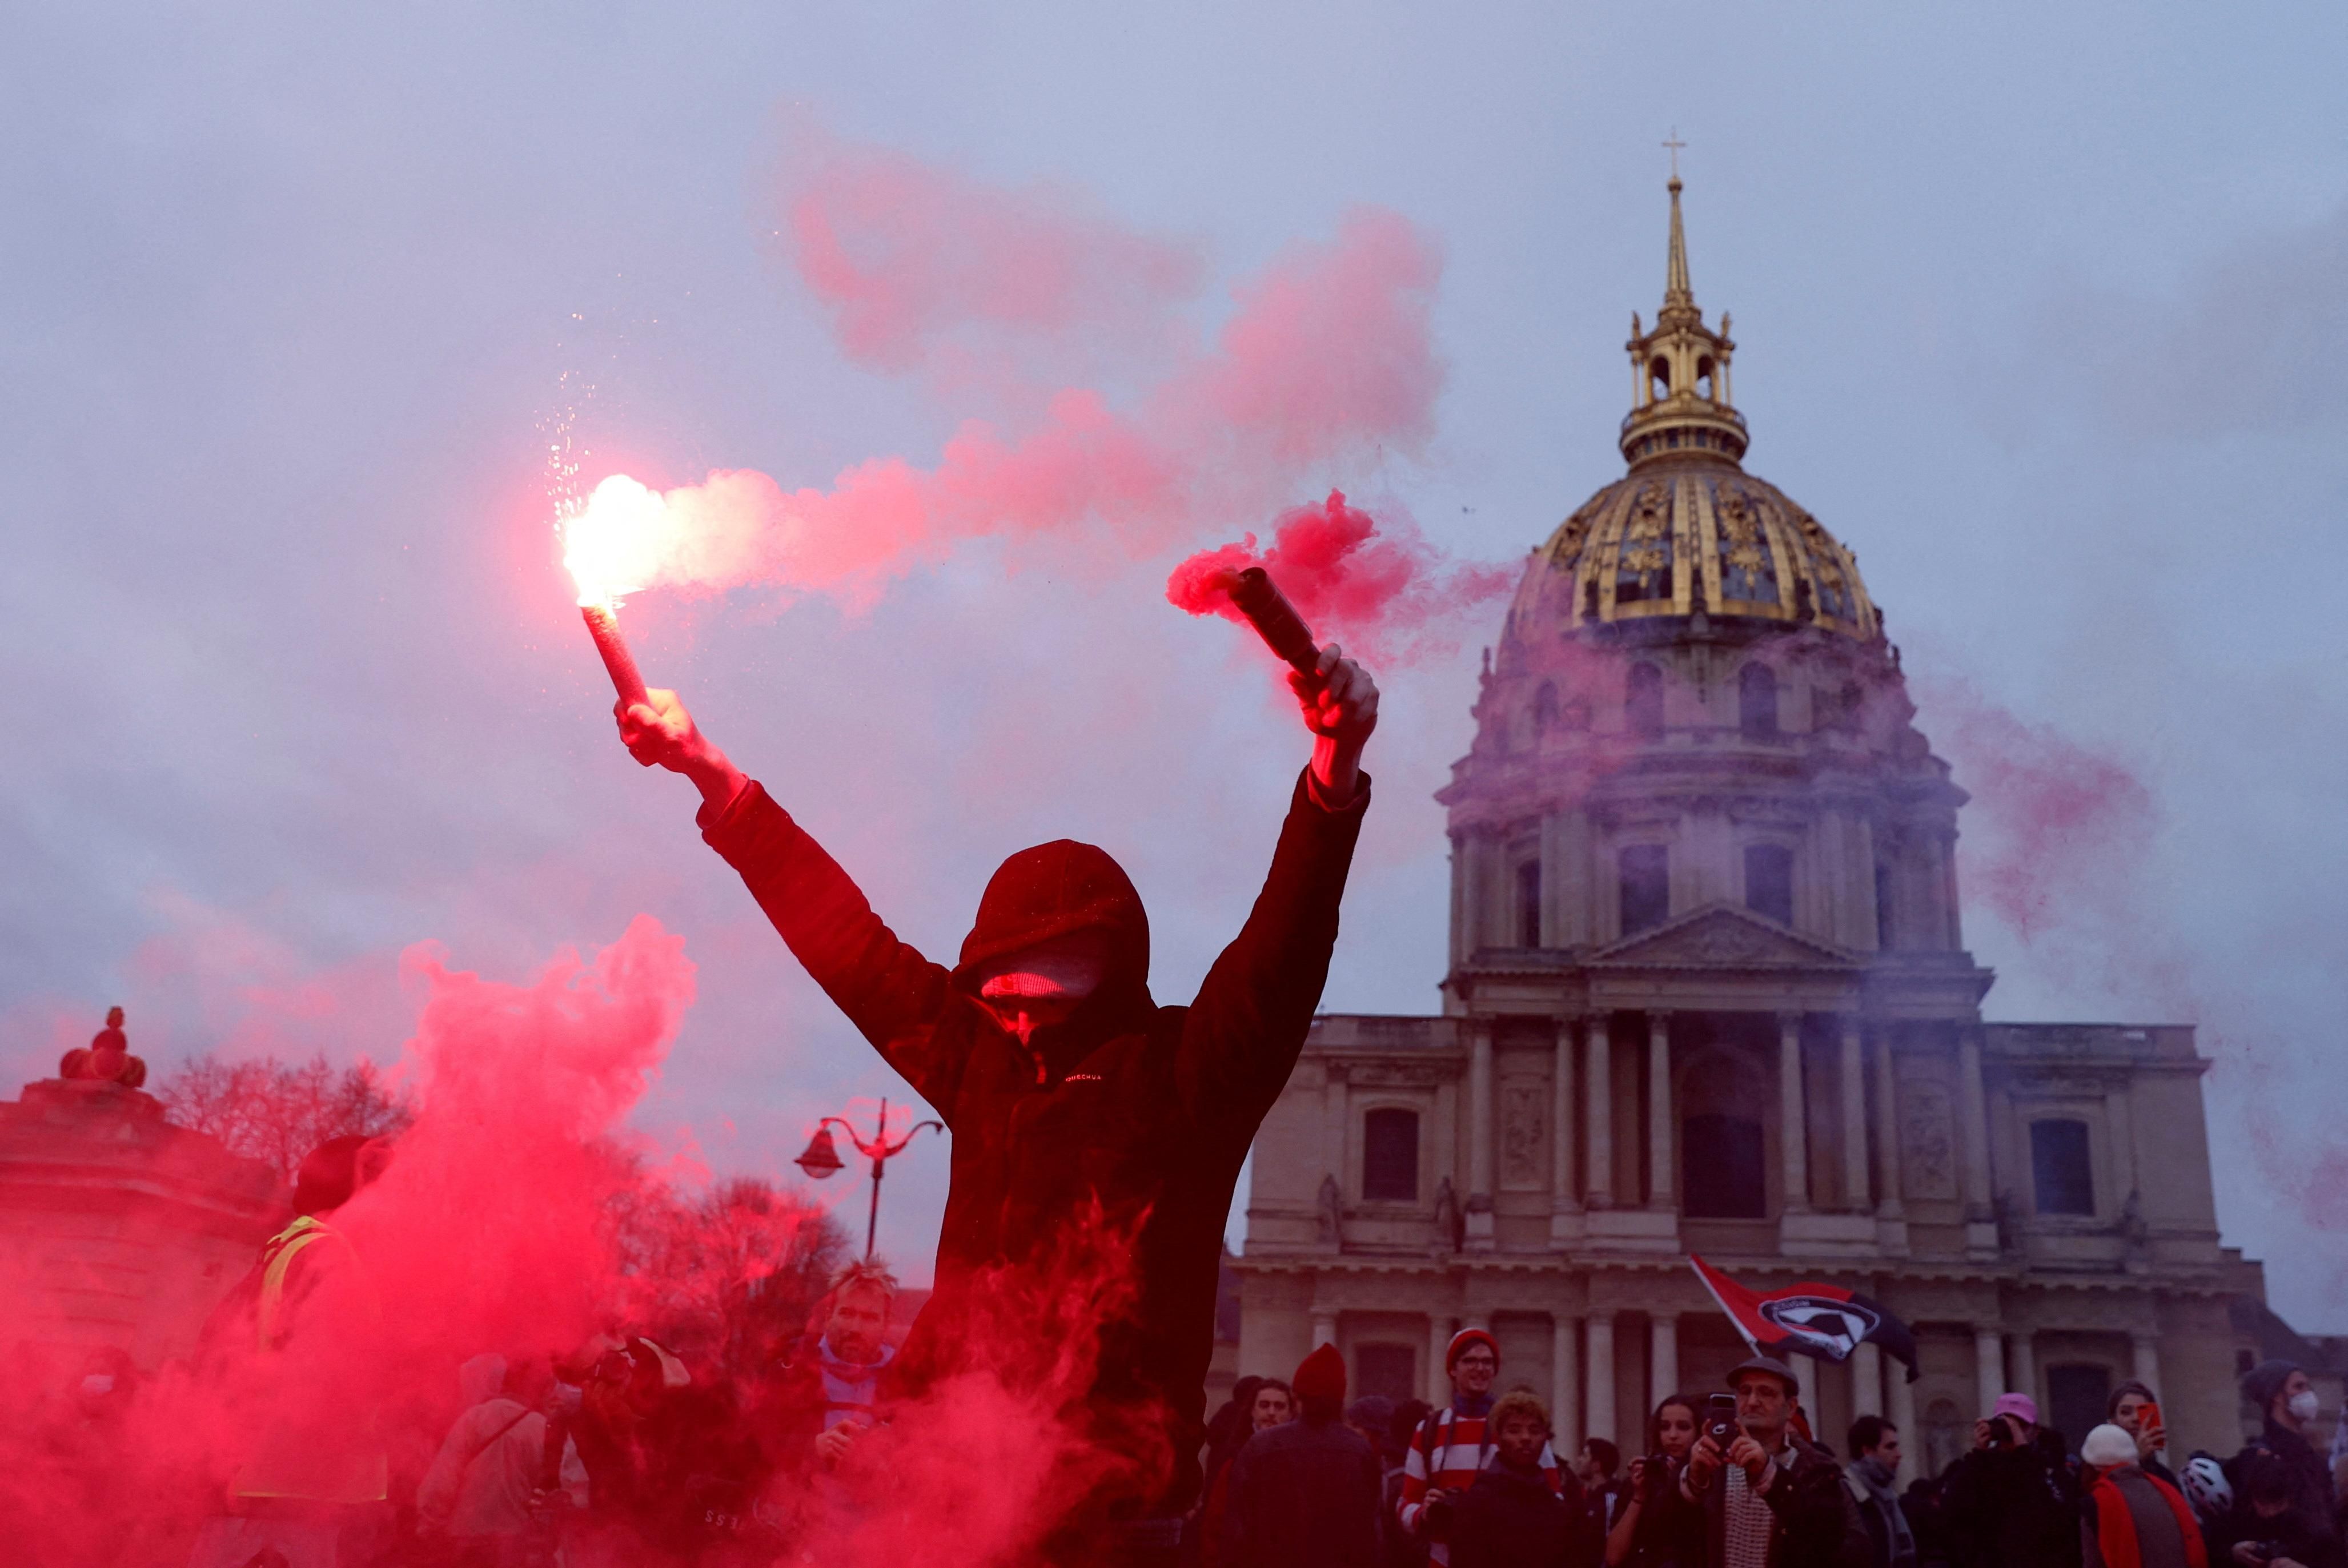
(1097, 1136)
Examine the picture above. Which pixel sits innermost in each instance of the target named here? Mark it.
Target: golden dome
(1687, 529)
(1673, 539)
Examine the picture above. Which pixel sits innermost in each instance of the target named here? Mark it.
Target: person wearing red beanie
(1452, 1445)
(1304, 1494)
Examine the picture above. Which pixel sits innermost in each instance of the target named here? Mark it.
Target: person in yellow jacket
(297, 1340)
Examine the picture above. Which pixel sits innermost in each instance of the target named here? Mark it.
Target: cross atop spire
(1677, 293)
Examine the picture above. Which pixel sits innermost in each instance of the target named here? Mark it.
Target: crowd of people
(1736, 1478)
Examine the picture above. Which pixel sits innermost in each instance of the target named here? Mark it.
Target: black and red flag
(1823, 1321)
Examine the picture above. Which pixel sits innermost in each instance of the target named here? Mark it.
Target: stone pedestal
(118, 1227)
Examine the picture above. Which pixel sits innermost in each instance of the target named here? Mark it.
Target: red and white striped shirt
(1446, 1452)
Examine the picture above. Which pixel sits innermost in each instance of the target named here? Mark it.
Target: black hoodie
(1092, 1175)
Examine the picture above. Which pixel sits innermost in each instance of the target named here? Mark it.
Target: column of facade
(2145, 1348)
(1663, 1357)
(1565, 1384)
(1854, 1116)
(1598, 1147)
(1886, 1131)
(1866, 1382)
(2021, 1364)
(1324, 1326)
(1902, 1415)
(1562, 1203)
(1598, 1387)
(1479, 1136)
(1989, 1370)
(1438, 1379)
(1805, 1378)
(1333, 1127)
(1794, 1131)
(1660, 1154)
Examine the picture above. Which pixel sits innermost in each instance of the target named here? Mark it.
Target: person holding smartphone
(1770, 1499)
(1658, 1528)
(2134, 1408)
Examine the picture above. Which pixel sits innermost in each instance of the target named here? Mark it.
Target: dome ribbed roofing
(1670, 539)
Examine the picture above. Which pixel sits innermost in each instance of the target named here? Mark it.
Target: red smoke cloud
(1375, 590)
(2065, 822)
(1326, 358)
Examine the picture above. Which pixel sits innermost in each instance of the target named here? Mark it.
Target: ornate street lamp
(822, 1159)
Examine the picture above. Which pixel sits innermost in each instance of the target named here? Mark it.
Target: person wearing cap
(2133, 1519)
(2280, 1392)
(1771, 1499)
(2013, 1502)
(1452, 1445)
(1093, 1129)
(1304, 1494)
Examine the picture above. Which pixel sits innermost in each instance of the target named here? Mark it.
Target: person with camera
(1657, 1527)
(2012, 1503)
(1510, 1517)
(2280, 1460)
(1874, 1464)
(1770, 1499)
(1452, 1444)
(2135, 1411)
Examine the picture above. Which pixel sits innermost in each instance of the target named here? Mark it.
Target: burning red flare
(614, 544)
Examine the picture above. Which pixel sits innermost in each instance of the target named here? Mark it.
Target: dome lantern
(1679, 373)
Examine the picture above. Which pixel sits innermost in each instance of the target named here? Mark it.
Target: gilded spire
(1679, 372)
(1678, 296)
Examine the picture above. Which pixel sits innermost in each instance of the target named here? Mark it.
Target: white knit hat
(2108, 1447)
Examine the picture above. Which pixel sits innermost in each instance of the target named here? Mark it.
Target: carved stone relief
(1928, 1139)
(1524, 1104)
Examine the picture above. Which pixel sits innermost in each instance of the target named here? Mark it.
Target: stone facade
(1708, 993)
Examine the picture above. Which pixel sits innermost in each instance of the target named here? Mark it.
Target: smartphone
(2148, 1417)
(1720, 1420)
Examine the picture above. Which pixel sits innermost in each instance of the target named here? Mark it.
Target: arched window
(1659, 377)
(1721, 1167)
(1545, 709)
(1756, 701)
(1642, 700)
(1703, 378)
(1646, 879)
(2059, 1167)
(1884, 928)
(1528, 903)
(1390, 1156)
(1769, 881)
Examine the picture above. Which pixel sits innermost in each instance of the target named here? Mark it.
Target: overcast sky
(2043, 310)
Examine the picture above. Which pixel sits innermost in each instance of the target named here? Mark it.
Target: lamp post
(822, 1160)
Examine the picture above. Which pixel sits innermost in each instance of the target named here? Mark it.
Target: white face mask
(2303, 1405)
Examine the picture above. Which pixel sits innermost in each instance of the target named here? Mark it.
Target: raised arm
(904, 1004)
(1250, 1020)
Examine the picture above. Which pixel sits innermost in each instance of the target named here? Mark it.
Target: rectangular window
(1769, 881)
(1647, 886)
(1529, 905)
(1390, 1156)
(2060, 1167)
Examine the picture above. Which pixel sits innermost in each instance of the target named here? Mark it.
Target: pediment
(1724, 937)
